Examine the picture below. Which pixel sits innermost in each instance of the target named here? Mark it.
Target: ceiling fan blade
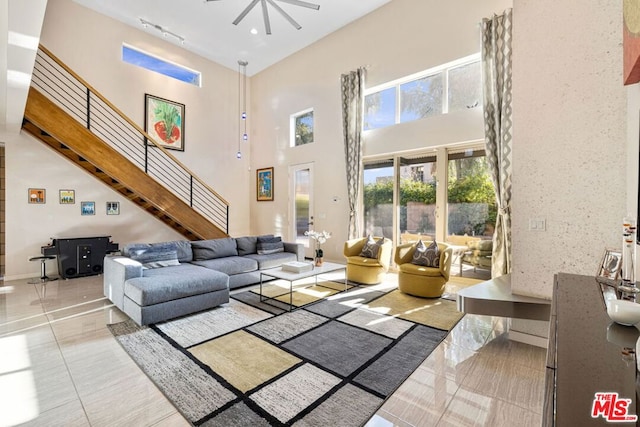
(244, 12)
(265, 16)
(302, 3)
(285, 14)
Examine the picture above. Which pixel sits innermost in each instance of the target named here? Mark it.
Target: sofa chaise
(159, 281)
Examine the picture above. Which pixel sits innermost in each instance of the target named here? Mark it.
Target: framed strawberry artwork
(164, 122)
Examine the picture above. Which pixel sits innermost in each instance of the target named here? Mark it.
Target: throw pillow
(371, 247)
(246, 245)
(183, 247)
(214, 248)
(130, 248)
(426, 256)
(155, 256)
(485, 245)
(269, 245)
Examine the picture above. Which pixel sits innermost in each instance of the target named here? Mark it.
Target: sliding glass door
(417, 201)
(404, 196)
(301, 184)
(471, 203)
(379, 184)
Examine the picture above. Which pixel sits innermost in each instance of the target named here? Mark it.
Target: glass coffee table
(291, 277)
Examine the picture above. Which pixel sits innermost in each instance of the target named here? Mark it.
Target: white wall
(570, 139)
(399, 39)
(91, 45)
(35, 165)
(633, 147)
(20, 24)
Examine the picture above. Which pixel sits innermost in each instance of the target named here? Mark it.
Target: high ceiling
(208, 30)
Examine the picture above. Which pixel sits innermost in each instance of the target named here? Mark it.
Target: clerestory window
(140, 58)
(302, 128)
(451, 87)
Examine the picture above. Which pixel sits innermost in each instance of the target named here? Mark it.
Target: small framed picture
(264, 184)
(88, 208)
(113, 208)
(37, 196)
(611, 264)
(67, 197)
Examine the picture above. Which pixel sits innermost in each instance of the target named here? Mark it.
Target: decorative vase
(319, 255)
(628, 285)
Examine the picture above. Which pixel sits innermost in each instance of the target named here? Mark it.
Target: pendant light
(242, 105)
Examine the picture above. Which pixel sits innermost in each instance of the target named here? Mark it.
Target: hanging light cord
(244, 102)
(242, 105)
(239, 153)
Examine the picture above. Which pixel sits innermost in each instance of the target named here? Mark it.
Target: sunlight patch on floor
(18, 394)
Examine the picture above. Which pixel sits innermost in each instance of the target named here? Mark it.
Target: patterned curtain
(496, 67)
(352, 102)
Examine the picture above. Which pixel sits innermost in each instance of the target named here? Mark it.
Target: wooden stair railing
(67, 114)
(54, 127)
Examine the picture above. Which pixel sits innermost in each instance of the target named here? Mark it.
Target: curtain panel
(496, 67)
(352, 85)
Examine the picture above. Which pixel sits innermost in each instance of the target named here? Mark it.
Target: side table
(43, 279)
(43, 269)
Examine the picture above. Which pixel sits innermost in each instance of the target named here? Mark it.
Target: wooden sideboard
(586, 354)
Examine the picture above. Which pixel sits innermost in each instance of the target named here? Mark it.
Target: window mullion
(398, 104)
(396, 201)
(445, 89)
(441, 194)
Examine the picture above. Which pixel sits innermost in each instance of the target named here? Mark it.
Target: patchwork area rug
(330, 363)
(457, 283)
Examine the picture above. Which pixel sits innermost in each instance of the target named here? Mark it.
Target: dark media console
(79, 256)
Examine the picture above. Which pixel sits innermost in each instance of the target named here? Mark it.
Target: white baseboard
(21, 277)
(528, 339)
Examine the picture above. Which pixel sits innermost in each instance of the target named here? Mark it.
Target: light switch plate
(537, 224)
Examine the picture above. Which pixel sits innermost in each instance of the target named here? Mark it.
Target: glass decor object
(628, 284)
(319, 258)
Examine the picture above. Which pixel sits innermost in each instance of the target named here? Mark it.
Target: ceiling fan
(265, 11)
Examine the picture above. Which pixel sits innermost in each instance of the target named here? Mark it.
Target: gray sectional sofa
(159, 281)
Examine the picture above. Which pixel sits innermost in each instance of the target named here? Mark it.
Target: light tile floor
(60, 366)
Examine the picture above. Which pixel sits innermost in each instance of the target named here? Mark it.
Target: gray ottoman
(175, 291)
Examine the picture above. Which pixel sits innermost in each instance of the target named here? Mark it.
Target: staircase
(80, 124)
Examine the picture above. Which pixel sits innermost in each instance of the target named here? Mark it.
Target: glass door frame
(293, 230)
(442, 184)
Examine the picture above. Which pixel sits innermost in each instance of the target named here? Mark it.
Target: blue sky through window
(421, 98)
(158, 65)
(380, 109)
(306, 119)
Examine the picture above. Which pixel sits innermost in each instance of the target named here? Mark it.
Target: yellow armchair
(368, 271)
(419, 280)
